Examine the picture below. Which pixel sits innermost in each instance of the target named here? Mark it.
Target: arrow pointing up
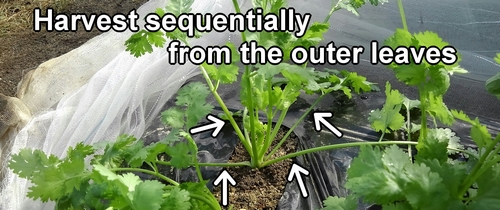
(216, 123)
(319, 118)
(296, 171)
(224, 177)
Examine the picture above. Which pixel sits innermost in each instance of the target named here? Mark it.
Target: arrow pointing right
(296, 171)
(224, 177)
(217, 124)
(319, 118)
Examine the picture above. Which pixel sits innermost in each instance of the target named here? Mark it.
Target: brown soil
(22, 49)
(259, 188)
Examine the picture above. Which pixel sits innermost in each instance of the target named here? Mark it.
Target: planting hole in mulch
(259, 188)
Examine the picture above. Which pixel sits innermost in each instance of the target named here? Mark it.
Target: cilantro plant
(107, 184)
(265, 88)
(393, 178)
(112, 180)
(493, 83)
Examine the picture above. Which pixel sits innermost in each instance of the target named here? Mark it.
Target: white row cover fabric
(97, 92)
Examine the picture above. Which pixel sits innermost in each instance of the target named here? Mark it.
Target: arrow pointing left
(319, 118)
(216, 124)
(224, 177)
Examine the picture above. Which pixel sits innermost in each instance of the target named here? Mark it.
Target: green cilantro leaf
(358, 82)
(493, 83)
(177, 199)
(148, 195)
(425, 189)
(191, 107)
(114, 151)
(52, 178)
(376, 176)
(178, 7)
(432, 147)
(438, 109)
(28, 162)
(349, 7)
(181, 155)
(335, 203)
(173, 117)
(479, 133)
(389, 116)
(488, 187)
(227, 74)
(143, 41)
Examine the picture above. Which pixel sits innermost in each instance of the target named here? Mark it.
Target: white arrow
(296, 171)
(224, 177)
(216, 123)
(319, 118)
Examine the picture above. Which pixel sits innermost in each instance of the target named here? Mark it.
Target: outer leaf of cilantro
(227, 74)
(173, 117)
(314, 34)
(177, 199)
(180, 154)
(114, 151)
(196, 188)
(178, 7)
(148, 195)
(397, 206)
(355, 3)
(196, 112)
(453, 174)
(432, 148)
(372, 176)
(58, 178)
(190, 107)
(488, 187)
(425, 189)
(438, 81)
(428, 39)
(493, 83)
(335, 203)
(410, 104)
(389, 116)
(28, 163)
(49, 185)
(349, 7)
(288, 96)
(358, 82)
(377, 2)
(479, 133)
(141, 42)
(192, 94)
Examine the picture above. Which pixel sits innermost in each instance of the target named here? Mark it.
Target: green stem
(147, 172)
(408, 131)
(335, 146)
(293, 127)
(471, 178)
(245, 163)
(195, 159)
(382, 136)
(238, 10)
(224, 107)
(276, 128)
(207, 201)
(254, 150)
(270, 116)
(423, 109)
(402, 13)
(332, 10)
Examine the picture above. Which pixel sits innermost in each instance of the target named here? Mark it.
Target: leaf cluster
(74, 185)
